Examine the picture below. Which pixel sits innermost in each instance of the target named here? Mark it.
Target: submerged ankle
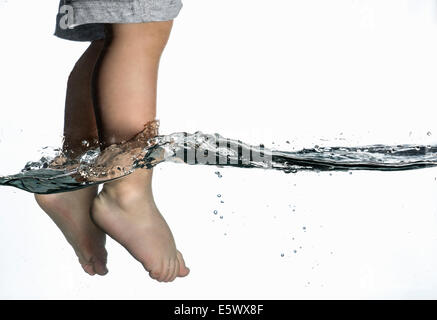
(140, 179)
(126, 194)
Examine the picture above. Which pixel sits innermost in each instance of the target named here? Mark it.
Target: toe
(100, 261)
(165, 270)
(100, 268)
(176, 270)
(91, 254)
(155, 273)
(183, 270)
(87, 266)
(171, 270)
(89, 269)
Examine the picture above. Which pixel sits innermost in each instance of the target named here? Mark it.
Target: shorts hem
(89, 17)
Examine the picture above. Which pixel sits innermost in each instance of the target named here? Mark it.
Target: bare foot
(126, 211)
(71, 213)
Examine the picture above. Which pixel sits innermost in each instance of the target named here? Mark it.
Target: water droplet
(287, 142)
(221, 217)
(215, 211)
(282, 254)
(304, 228)
(295, 251)
(429, 134)
(219, 195)
(350, 172)
(221, 201)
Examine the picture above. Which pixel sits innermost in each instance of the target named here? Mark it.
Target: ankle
(130, 188)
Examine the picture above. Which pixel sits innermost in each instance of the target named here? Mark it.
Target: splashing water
(59, 173)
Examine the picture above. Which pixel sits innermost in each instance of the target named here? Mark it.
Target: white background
(259, 71)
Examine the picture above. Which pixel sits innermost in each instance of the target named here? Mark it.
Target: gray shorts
(82, 20)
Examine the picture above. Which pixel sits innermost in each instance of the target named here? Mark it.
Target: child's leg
(126, 93)
(79, 117)
(71, 210)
